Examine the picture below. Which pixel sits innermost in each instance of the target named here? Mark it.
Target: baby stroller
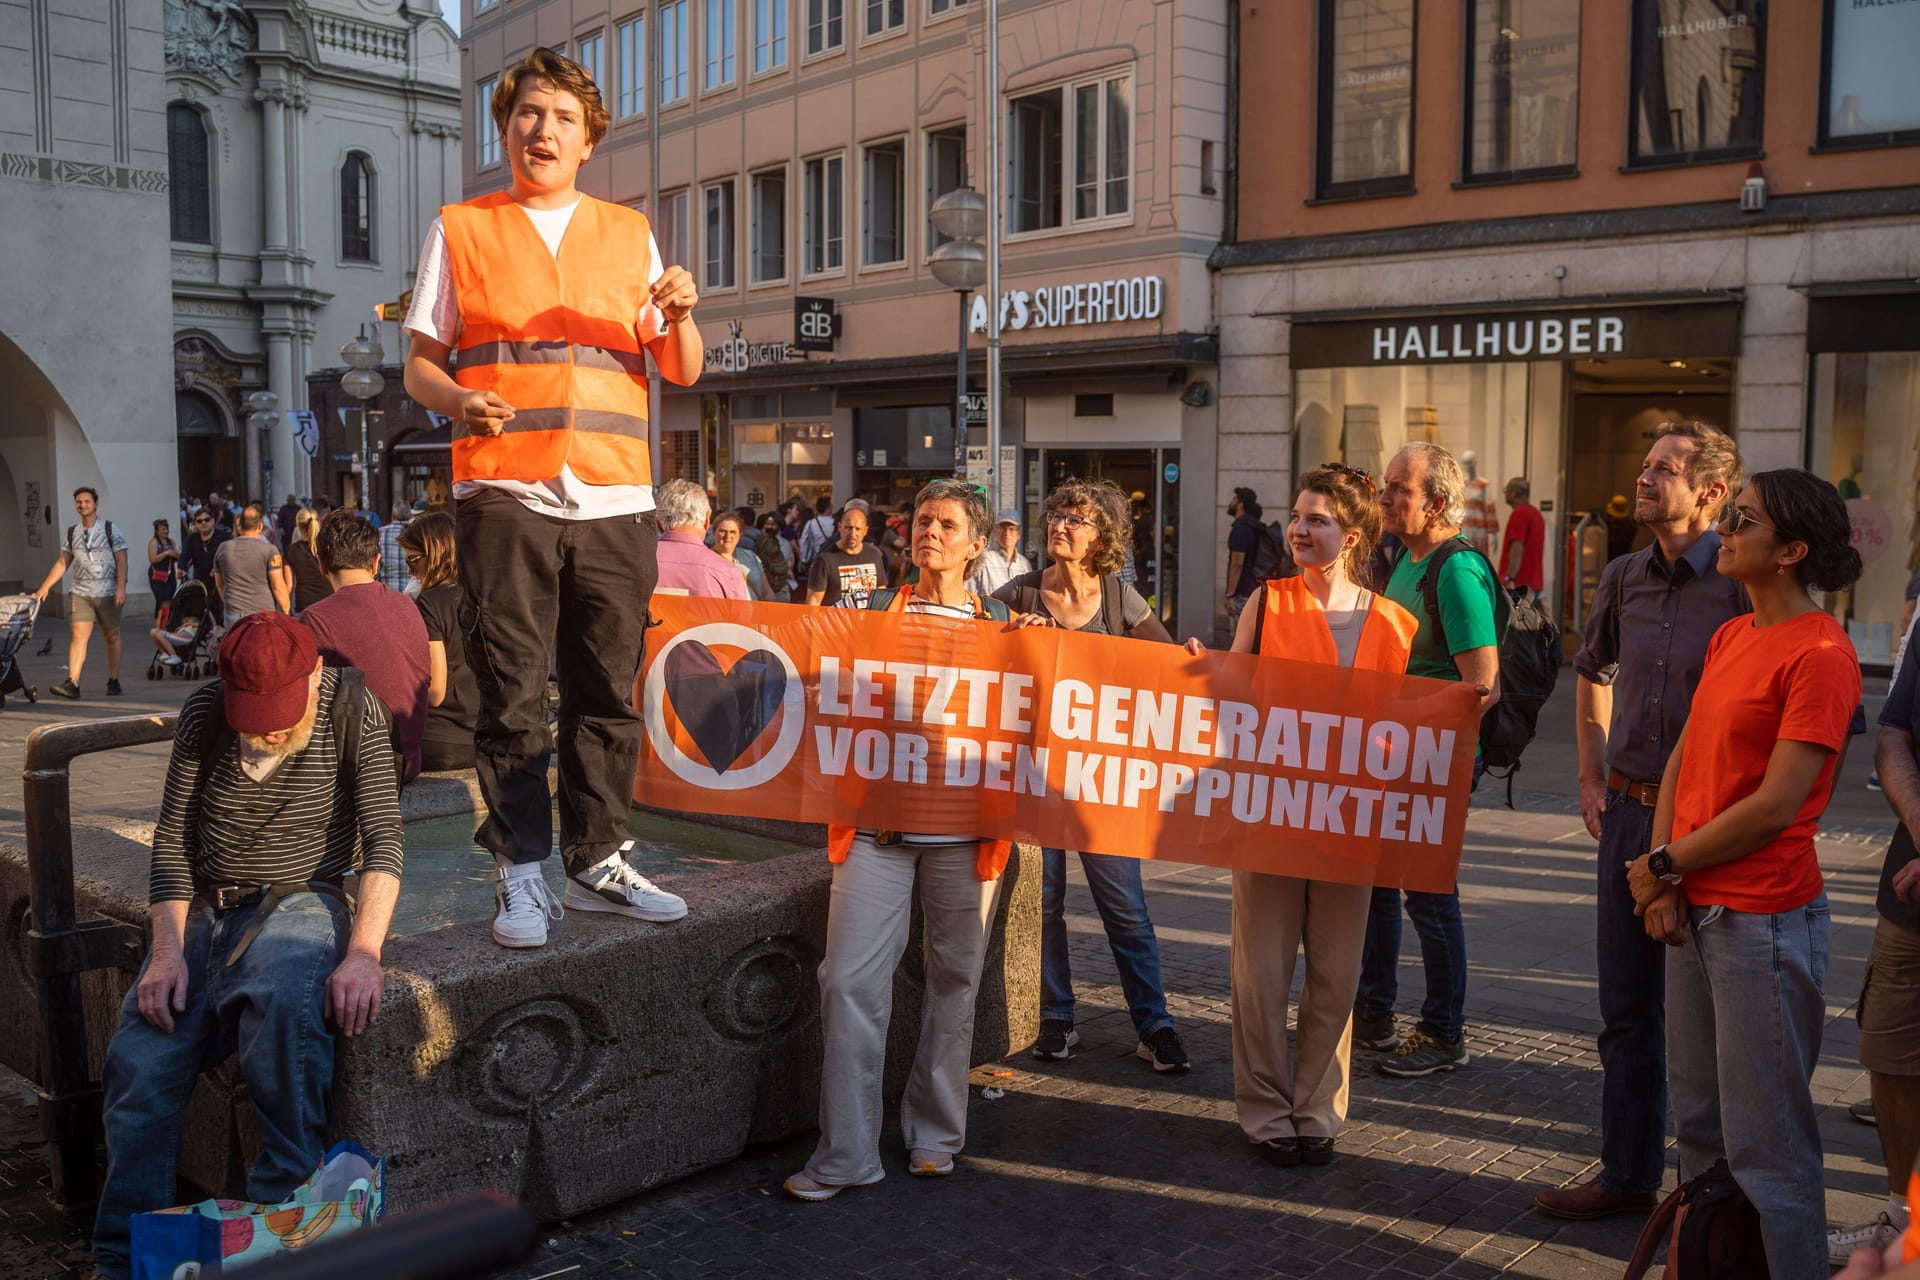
(16, 628)
(189, 630)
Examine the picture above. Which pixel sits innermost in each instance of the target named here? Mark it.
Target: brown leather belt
(1647, 793)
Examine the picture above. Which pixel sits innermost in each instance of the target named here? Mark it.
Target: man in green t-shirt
(1423, 501)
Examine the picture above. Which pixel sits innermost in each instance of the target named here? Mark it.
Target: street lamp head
(263, 402)
(961, 214)
(362, 384)
(363, 352)
(960, 264)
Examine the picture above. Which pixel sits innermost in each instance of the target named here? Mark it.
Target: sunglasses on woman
(1735, 520)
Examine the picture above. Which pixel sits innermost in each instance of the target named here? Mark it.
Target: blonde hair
(306, 526)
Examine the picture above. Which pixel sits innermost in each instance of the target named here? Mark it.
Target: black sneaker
(1165, 1050)
(1376, 1033)
(113, 688)
(1422, 1055)
(1317, 1151)
(68, 689)
(1057, 1038)
(1864, 1113)
(1873, 781)
(1284, 1152)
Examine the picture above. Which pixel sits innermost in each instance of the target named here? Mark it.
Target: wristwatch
(1660, 863)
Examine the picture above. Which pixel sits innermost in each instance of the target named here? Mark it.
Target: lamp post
(363, 382)
(262, 413)
(961, 265)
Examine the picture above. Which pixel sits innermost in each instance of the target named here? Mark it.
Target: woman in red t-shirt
(1733, 881)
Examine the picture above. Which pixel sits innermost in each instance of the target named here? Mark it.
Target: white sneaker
(1876, 1235)
(169, 660)
(525, 906)
(614, 886)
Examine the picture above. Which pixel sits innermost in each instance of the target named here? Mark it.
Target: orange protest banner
(900, 721)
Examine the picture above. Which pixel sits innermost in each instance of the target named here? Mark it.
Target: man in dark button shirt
(1653, 615)
(1243, 547)
(197, 551)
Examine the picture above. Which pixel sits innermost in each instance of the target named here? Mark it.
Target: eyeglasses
(203, 521)
(413, 557)
(1735, 520)
(1068, 520)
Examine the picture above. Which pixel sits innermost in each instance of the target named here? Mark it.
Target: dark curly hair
(1355, 506)
(1805, 508)
(1107, 509)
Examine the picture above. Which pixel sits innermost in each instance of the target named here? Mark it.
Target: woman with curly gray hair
(1084, 529)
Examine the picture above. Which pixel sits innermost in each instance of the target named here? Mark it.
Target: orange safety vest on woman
(993, 856)
(1296, 627)
(555, 337)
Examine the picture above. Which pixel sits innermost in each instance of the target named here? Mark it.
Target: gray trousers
(867, 923)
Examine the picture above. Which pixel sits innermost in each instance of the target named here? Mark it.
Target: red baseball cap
(266, 666)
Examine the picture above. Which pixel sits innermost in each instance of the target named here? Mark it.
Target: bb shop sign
(1599, 333)
(1059, 306)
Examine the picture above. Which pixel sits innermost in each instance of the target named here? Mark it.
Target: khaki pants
(867, 921)
(1302, 1095)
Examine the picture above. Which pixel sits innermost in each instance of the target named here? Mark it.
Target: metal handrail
(61, 947)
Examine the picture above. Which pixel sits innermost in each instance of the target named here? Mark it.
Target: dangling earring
(1779, 569)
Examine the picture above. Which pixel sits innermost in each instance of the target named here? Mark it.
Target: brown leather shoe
(1591, 1200)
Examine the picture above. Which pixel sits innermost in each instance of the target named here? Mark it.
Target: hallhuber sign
(1706, 329)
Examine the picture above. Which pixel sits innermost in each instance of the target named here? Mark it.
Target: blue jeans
(1122, 901)
(1633, 1035)
(269, 1009)
(1443, 950)
(1745, 1007)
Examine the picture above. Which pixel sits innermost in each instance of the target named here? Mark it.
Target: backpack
(1113, 599)
(996, 610)
(804, 568)
(1271, 558)
(771, 548)
(1712, 1230)
(1530, 656)
(72, 527)
(349, 712)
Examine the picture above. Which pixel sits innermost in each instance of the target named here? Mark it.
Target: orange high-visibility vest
(555, 337)
(1296, 627)
(993, 855)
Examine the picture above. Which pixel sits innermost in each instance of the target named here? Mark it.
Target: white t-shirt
(435, 313)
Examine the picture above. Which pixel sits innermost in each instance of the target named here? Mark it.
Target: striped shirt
(298, 824)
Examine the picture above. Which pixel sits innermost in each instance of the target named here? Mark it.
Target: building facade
(788, 152)
(1531, 230)
(83, 282)
(310, 144)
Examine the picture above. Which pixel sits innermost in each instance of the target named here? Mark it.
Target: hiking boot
(1165, 1050)
(525, 905)
(1863, 1112)
(1422, 1055)
(113, 688)
(1057, 1038)
(1875, 1235)
(68, 689)
(612, 885)
(1590, 1200)
(1376, 1033)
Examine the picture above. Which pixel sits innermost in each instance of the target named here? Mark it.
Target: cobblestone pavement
(1098, 1167)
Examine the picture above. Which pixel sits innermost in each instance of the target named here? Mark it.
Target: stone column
(276, 272)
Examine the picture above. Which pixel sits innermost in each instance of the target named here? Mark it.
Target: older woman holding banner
(870, 907)
(1292, 1106)
(1086, 539)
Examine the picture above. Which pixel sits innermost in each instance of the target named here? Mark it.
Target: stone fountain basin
(618, 1057)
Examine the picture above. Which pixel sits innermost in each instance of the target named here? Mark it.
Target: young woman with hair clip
(1291, 1105)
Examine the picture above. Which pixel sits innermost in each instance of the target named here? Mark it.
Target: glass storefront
(1151, 480)
(898, 449)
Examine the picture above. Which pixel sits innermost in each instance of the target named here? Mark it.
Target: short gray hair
(1446, 482)
(972, 499)
(680, 503)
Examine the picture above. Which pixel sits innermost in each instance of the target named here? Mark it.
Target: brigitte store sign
(737, 355)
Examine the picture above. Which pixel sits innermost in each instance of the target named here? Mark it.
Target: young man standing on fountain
(549, 302)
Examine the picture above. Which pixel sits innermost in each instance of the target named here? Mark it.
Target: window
(720, 42)
(481, 6)
(592, 56)
(487, 146)
(670, 232)
(769, 35)
(718, 241)
(1523, 87)
(825, 25)
(1871, 95)
(938, 7)
(884, 196)
(768, 214)
(885, 15)
(822, 214)
(1208, 184)
(356, 209)
(673, 52)
(630, 42)
(946, 169)
(1697, 79)
(1097, 152)
(1366, 97)
(189, 176)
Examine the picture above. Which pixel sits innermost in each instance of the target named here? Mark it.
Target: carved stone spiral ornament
(534, 1057)
(763, 991)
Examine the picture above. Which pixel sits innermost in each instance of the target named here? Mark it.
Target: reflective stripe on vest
(1296, 627)
(556, 337)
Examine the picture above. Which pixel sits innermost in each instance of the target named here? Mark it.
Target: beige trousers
(1304, 1094)
(867, 922)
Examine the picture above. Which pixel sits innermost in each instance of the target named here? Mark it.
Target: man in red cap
(281, 809)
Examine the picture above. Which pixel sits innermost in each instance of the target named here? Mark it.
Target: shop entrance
(1613, 410)
(1151, 480)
